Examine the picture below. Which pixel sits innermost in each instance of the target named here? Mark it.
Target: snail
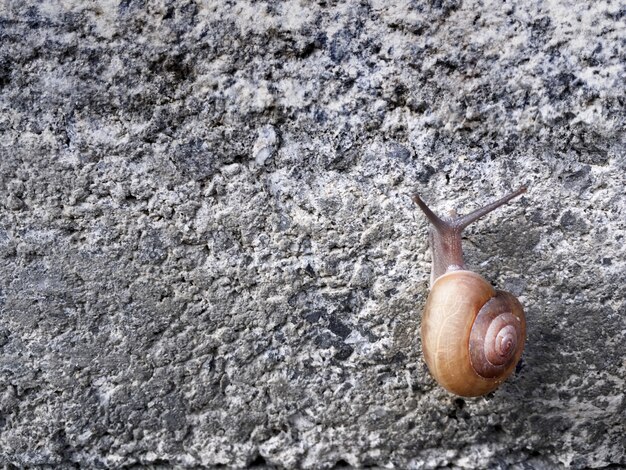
(472, 334)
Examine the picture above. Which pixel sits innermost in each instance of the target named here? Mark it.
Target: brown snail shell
(472, 335)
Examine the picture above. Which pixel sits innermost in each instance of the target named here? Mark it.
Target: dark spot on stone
(515, 285)
(417, 106)
(542, 23)
(399, 152)
(309, 270)
(320, 40)
(398, 358)
(510, 143)
(176, 64)
(344, 352)
(588, 151)
(398, 96)
(306, 50)
(130, 4)
(580, 178)
(314, 316)
(618, 15)
(391, 292)
(4, 337)
(338, 327)
(161, 463)
(458, 410)
(448, 63)
(341, 463)
(324, 340)
(152, 250)
(320, 116)
(570, 222)
(425, 174)
(258, 462)
(340, 46)
(284, 223)
(5, 72)
(567, 219)
(552, 338)
(194, 160)
(561, 85)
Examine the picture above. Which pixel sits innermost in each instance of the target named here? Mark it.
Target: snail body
(472, 334)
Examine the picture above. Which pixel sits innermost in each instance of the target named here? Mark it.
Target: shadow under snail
(472, 334)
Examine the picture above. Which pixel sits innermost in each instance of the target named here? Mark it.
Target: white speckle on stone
(265, 145)
(231, 170)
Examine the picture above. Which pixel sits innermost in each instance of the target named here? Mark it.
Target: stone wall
(209, 254)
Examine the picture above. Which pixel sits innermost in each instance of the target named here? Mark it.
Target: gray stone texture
(209, 255)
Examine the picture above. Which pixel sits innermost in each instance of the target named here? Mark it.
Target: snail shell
(472, 334)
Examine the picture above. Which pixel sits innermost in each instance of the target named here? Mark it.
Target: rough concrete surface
(209, 255)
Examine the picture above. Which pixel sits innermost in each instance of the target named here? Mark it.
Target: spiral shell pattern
(496, 336)
(472, 334)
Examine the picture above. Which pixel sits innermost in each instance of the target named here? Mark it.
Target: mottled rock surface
(209, 255)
